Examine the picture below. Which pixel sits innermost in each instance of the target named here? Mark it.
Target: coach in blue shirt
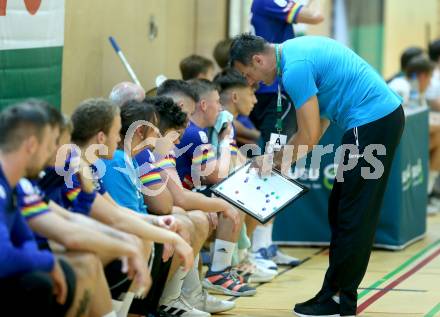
(328, 82)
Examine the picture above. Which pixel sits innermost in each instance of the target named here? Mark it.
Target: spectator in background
(221, 53)
(126, 91)
(406, 56)
(415, 80)
(412, 87)
(433, 92)
(197, 67)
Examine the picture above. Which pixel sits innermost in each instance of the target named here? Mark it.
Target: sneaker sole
(302, 315)
(216, 311)
(222, 291)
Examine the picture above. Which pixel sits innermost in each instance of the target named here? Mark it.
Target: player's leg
(220, 278)
(89, 280)
(171, 300)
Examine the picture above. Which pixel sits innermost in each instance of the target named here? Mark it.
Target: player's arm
(308, 134)
(244, 133)
(325, 123)
(309, 15)
(162, 202)
(88, 222)
(80, 237)
(189, 200)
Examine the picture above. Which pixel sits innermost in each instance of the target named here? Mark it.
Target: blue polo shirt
(349, 91)
(122, 181)
(272, 20)
(19, 252)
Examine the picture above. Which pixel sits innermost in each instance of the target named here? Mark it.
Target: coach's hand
(263, 164)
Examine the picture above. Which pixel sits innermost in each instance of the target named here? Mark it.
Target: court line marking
(398, 269)
(433, 311)
(233, 298)
(397, 281)
(397, 290)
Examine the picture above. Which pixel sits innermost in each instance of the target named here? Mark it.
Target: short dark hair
(408, 54)
(135, 111)
(91, 117)
(202, 86)
(245, 46)
(54, 115)
(171, 115)
(419, 64)
(434, 50)
(230, 78)
(194, 65)
(177, 86)
(20, 121)
(221, 53)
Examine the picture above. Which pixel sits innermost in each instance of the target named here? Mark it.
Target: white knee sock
(173, 287)
(269, 231)
(111, 314)
(222, 258)
(262, 237)
(191, 283)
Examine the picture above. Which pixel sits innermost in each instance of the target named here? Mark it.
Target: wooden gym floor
(398, 283)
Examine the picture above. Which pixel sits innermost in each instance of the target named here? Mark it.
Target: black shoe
(328, 308)
(308, 302)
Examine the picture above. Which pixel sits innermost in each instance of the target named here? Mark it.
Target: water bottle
(414, 95)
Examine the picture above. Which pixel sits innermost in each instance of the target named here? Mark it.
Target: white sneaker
(205, 302)
(180, 307)
(263, 261)
(259, 274)
(280, 258)
(433, 206)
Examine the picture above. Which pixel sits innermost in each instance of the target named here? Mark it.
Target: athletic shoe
(208, 303)
(261, 257)
(328, 308)
(180, 307)
(280, 258)
(227, 283)
(433, 205)
(254, 273)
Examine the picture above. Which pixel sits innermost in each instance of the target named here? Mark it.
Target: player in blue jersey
(43, 283)
(76, 233)
(328, 81)
(186, 96)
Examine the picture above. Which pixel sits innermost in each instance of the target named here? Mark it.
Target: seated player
(184, 96)
(127, 187)
(79, 236)
(126, 91)
(196, 67)
(189, 200)
(39, 281)
(238, 98)
(160, 201)
(78, 194)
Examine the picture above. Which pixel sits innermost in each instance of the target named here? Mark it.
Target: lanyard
(279, 123)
